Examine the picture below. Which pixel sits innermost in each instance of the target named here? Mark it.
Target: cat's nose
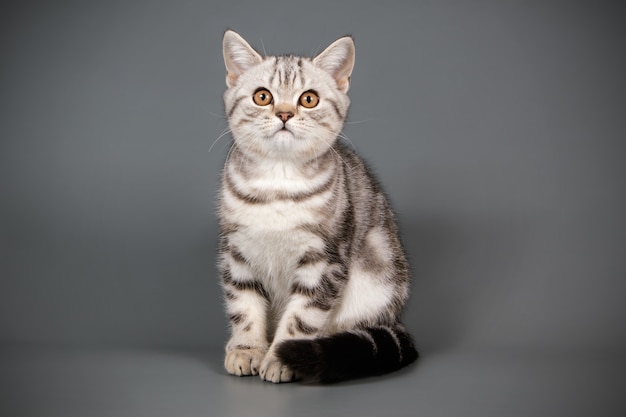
(284, 115)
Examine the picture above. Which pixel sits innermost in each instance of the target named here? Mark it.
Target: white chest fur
(270, 234)
(275, 214)
(273, 255)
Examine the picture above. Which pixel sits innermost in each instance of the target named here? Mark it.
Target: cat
(313, 272)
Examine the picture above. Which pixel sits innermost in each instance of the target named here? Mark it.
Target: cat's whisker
(230, 151)
(224, 133)
(317, 156)
(332, 148)
(344, 136)
(219, 116)
(248, 150)
(263, 46)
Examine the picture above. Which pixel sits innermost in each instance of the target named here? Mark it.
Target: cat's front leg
(246, 305)
(243, 360)
(299, 321)
(314, 293)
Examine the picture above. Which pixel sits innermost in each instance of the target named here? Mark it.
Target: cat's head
(286, 106)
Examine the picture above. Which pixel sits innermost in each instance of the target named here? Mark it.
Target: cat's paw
(272, 370)
(244, 361)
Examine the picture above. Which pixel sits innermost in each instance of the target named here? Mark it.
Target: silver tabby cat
(313, 272)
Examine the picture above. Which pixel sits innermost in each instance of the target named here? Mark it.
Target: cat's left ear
(238, 56)
(338, 61)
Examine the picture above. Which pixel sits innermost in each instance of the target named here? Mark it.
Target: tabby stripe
(348, 220)
(243, 347)
(239, 159)
(332, 254)
(303, 196)
(320, 304)
(300, 289)
(231, 111)
(227, 228)
(238, 194)
(325, 125)
(250, 285)
(243, 121)
(293, 78)
(300, 73)
(287, 74)
(335, 107)
(255, 286)
(320, 230)
(237, 318)
(226, 276)
(335, 218)
(237, 256)
(324, 294)
(303, 327)
(295, 197)
(311, 257)
(271, 80)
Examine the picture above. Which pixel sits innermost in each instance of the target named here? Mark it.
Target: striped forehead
(287, 72)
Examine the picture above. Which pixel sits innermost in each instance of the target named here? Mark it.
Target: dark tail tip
(304, 357)
(349, 355)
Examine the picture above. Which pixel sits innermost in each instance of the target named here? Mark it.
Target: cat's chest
(271, 252)
(277, 201)
(275, 217)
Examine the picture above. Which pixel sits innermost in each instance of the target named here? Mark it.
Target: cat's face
(286, 107)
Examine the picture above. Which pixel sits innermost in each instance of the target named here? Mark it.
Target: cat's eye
(309, 99)
(262, 97)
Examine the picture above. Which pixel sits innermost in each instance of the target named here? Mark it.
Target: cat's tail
(353, 354)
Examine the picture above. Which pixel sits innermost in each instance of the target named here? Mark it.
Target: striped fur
(313, 271)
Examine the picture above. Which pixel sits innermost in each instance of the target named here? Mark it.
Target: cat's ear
(238, 56)
(338, 61)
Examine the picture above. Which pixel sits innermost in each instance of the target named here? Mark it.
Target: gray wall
(497, 128)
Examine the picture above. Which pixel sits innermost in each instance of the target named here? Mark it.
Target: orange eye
(262, 97)
(309, 99)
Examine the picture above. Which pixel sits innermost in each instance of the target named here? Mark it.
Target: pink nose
(284, 115)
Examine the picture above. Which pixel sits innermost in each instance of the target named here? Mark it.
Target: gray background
(497, 129)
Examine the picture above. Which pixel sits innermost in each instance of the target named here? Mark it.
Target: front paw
(244, 361)
(273, 370)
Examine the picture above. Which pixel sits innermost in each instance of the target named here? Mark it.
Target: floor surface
(98, 383)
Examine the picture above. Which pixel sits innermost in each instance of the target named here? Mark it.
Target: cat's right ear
(238, 56)
(338, 61)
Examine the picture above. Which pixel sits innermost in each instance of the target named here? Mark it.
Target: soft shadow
(457, 264)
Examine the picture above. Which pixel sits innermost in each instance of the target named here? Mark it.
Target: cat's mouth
(283, 130)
